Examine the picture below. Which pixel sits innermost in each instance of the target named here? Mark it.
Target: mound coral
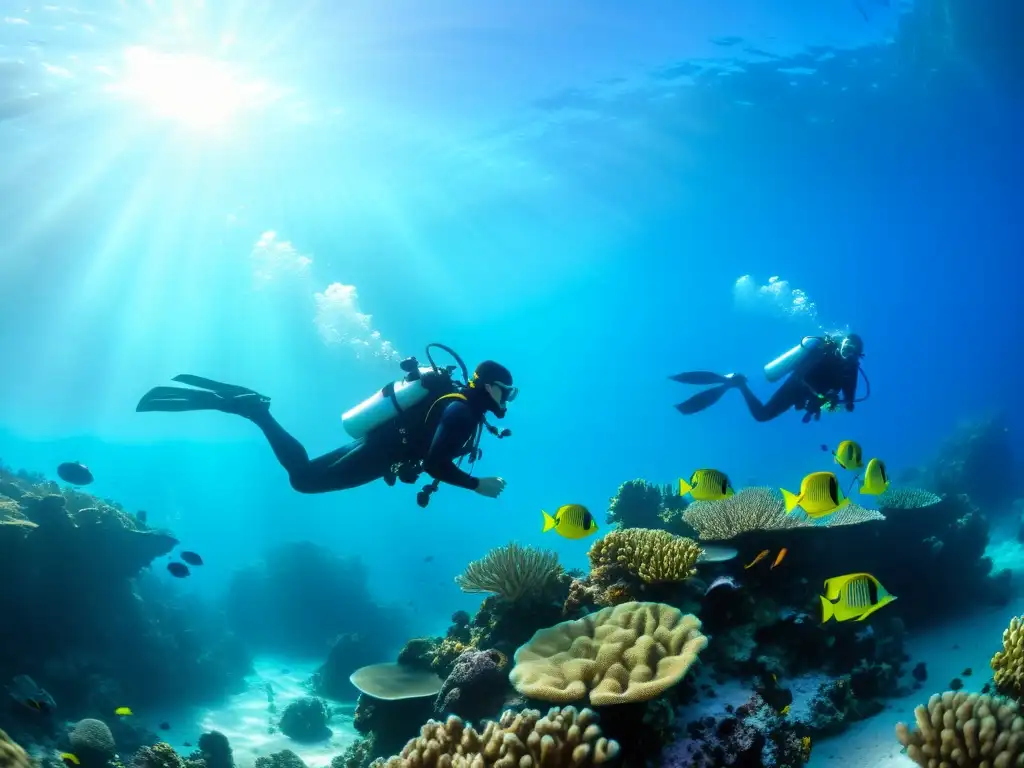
(476, 685)
(512, 572)
(907, 498)
(1008, 664)
(92, 741)
(12, 755)
(629, 653)
(653, 556)
(305, 720)
(965, 729)
(564, 738)
(762, 509)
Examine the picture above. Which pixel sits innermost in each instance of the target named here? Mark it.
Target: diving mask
(508, 392)
(850, 349)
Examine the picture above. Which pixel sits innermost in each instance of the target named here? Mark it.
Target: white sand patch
(247, 721)
(947, 652)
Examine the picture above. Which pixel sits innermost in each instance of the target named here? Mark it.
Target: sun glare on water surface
(198, 92)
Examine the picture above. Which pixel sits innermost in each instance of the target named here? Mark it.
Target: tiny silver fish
(722, 581)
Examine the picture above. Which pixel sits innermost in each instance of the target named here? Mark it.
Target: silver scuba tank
(386, 403)
(785, 363)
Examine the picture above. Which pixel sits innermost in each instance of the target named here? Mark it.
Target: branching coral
(628, 653)
(965, 729)
(653, 556)
(761, 509)
(512, 572)
(1008, 664)
(12, 755)
(564, 738)
(907, 498)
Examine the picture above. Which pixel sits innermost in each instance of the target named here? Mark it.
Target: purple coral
(476, 686)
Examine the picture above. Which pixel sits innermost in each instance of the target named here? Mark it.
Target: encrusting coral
(653, 556)
(12, 755)
(969, 730)
(762, 509)
(624, 654)
(512, 572)
(564, 738)
(1008, 664)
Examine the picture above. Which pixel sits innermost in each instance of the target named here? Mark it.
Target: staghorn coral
(512, 572)
(564, 738)
(965, 729)
(1008, 664)
(907, 498)
(762, 509)
(653, 556)
(12, 755)
(629, 653)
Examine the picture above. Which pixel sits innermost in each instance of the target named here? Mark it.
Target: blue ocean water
(294, 198)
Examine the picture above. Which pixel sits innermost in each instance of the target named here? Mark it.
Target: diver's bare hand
(490, 487)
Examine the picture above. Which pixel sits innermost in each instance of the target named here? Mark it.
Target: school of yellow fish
(851, 596)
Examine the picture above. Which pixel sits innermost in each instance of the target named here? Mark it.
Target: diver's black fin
(228, 398)
(175, 399)
(214, 386)
(702, 400)
(700, 377)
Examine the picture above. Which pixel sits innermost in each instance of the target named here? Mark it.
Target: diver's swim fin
(700, 377)
(703, 400)
(212, 396)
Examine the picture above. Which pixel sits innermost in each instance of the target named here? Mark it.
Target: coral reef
(977, 460)
(1008, 664)
(283, 759)
(476, 686)
(965, 729)
(762, 509)
(564, 738)
(159, 755)
(268, 603)
(512, 572)
(12, 755)
(629, 653)
(305, 720)
(754, 734)
(87, 561)
(906, 498)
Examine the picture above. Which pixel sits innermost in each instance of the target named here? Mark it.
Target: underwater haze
(294, 198)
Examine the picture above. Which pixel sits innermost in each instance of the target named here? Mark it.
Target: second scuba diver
(424, 422)
(823, 373)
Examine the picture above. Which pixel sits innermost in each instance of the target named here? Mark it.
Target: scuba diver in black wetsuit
(823, 373)
(425, 422)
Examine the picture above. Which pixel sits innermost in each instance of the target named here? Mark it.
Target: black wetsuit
(824, 372)
(448, 435)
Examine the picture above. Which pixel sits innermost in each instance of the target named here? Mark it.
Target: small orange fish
(782, 554)
(761, 556)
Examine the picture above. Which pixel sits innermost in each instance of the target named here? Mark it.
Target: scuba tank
(397, 397)
(785, 363)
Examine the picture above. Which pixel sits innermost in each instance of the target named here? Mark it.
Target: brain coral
(11, 755)
(652, 555)
(92, 741)
(627, 653)
(967, 730)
